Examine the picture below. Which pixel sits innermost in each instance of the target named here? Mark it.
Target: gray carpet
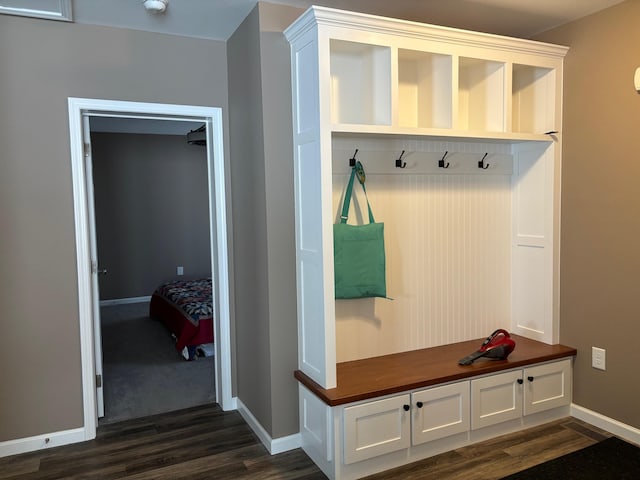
(143, 373)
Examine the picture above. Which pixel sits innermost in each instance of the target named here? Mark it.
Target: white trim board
(219, 231)
(280, 445)
(619, 429)
(56, 10)
(39, 442)
(124, 301)
(274, 446)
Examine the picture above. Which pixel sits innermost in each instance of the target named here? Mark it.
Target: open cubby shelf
(369, 82)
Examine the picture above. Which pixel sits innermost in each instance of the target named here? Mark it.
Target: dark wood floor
(206, 443)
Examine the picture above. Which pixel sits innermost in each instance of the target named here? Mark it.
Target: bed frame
(188, 332)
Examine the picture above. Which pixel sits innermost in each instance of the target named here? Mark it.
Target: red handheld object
(498, 345)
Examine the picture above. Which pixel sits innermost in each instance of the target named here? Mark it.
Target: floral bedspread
(193, 297)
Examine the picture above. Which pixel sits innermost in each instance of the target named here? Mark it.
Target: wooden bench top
(377, 376)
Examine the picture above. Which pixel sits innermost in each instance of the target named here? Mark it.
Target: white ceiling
(218, 19)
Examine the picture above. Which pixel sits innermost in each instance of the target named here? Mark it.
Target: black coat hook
(481, 163)
(441, 163)
(352, 160)
(399, 162)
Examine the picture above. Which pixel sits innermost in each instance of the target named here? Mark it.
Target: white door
(496, 398)
(440, 412)
(95, 292)
(375, 428)
(547, 386)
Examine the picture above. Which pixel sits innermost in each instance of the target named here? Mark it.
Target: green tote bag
(359, 259)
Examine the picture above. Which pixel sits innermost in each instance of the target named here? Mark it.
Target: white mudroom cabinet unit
(460, 136)
(394, 409)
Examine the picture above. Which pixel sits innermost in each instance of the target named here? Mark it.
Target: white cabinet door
(496, 399)
(440, 412)
(547, 386)
(376, 428)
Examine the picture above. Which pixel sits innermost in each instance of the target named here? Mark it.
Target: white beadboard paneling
(448, 255)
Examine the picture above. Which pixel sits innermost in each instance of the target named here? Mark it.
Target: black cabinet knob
(406, 408)
(520, 381)
(530, 379)
(419, 404)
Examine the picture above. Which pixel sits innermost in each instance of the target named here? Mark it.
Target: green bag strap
(358, 170)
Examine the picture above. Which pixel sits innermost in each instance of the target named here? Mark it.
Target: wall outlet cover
(598, 358)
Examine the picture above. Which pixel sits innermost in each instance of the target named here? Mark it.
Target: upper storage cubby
(534, 99)
(481, 95)
(360, 83)
(424, 89)
(380, 75)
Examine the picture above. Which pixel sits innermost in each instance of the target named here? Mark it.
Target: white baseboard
(279, 445)
(123, 301)
(40, 442)
(284, 444)
(232, 405)
(619, 429)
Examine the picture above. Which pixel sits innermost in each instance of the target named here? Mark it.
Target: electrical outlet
(598, 358)
(180, 270)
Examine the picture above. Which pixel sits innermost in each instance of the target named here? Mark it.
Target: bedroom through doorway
(152, 230)
(81, 112)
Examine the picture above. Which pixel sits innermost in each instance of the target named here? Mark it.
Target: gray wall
(262, 159)
(151, 203)
(249, 220)
(278, 153)
(600, 258)
(42, 63)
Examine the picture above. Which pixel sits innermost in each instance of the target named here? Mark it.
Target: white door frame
(212, 117)
(93, 252)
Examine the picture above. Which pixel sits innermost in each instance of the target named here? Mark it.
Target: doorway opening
(80, 113)
(151, 206)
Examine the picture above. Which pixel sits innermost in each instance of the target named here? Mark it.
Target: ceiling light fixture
(155, 6)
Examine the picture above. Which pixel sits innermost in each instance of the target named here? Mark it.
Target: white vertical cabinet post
(314, 241)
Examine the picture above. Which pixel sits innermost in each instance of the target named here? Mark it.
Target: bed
(186, 308)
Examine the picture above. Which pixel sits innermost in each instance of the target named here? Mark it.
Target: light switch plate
(598, 358)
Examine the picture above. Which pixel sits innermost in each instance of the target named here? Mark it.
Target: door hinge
(94, 266)
(98, 381)
(87, 149)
